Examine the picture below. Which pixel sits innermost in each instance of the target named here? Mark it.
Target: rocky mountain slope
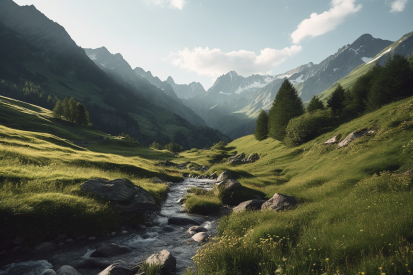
(118, 68)
(36, 50)
(183, 91)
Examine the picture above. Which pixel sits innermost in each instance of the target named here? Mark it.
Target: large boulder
(334, 139)
(228, 185)
(253, 157)
(279, 202)
(163, 259)
(182, 221)
(237, 159)
(250, 205)
(127, 197)
(224, 175)
(110, 250)
(117, 268)
(67, 270)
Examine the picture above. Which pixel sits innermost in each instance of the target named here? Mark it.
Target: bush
(306, 127)
(219, 146)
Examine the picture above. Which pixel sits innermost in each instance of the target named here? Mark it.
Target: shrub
(306, 127)
(219, 146)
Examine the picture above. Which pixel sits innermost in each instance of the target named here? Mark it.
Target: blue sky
(198, 40)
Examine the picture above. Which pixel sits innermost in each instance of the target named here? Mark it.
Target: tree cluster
(172, 147)
(71, 110)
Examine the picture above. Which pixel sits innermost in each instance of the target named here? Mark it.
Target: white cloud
(174, 4)
(398, 5)
(214, 62)
(322, 23)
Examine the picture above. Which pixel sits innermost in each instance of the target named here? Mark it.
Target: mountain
(40, 63)
(234, 117)
(115, 66)
(183, 91)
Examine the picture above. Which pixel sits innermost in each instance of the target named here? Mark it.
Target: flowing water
(153, 239)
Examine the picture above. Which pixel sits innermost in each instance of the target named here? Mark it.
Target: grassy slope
(42, 168)
(348, 219)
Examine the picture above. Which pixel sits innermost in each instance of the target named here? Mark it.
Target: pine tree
(58, 110)
(65, 108)
(287, 105)
(315, 104)
(336, 99)
(72, 109)
(261, 126)
(394, 82)
(81, 115)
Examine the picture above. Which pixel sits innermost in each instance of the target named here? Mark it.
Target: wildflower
(327, 259)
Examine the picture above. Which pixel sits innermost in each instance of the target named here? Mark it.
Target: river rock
(67, 270)
(279, 202)
(249, 206)
(182, 221)
(228, 185)
(110, 250)
(117, 268)
(224, 175)
(164, 259)
(93, 263)
(46, 246)
(48, 272)
(196, 229)
(127, 197)
(237, 159)
(200, 237)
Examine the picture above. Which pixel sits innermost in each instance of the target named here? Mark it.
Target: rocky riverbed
(168, 230)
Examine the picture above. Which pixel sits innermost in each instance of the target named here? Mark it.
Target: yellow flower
(380, 268)
(327, 259)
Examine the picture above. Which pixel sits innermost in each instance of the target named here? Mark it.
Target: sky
(199, 40)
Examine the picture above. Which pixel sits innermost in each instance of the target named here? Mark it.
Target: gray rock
(249, 206)
(196, 229)
(110, 250)
(46, 246)
(352, 136)
(200, 237)
(253, 157)
(127, 197)
(67, 270)
(168, 229)
(93, 263)
(224, 175)
(213, 175)
(228, 185)
(279, 202)
(334, 139)
(182, 221)
(117, 268)
(164, 259)
(48, 272)
(237, 159)
(181, 200)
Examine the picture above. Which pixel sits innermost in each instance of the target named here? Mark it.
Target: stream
(158, 235)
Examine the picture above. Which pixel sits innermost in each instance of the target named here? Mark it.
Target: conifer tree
(72, 109)
(393, 83)
(287, 105)
(315, 104)
(81, 115)
(65, 108)
(261, 126)
(58, 110)
(336, 99)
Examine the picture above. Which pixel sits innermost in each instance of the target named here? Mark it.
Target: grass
(354, 212)
(42, 169)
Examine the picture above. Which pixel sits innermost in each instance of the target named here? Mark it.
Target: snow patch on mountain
(366, 59)
(388, 50)
(255, 84)
(225, 93)
(92, 56)
(336, 69)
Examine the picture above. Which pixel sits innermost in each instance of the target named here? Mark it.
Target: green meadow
(355, 203)
(43, 162)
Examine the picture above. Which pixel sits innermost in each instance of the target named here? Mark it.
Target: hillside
(354, 203)
(38, 51)
(44, 161)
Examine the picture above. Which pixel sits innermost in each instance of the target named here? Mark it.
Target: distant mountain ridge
(117, 67)
(183, 91)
